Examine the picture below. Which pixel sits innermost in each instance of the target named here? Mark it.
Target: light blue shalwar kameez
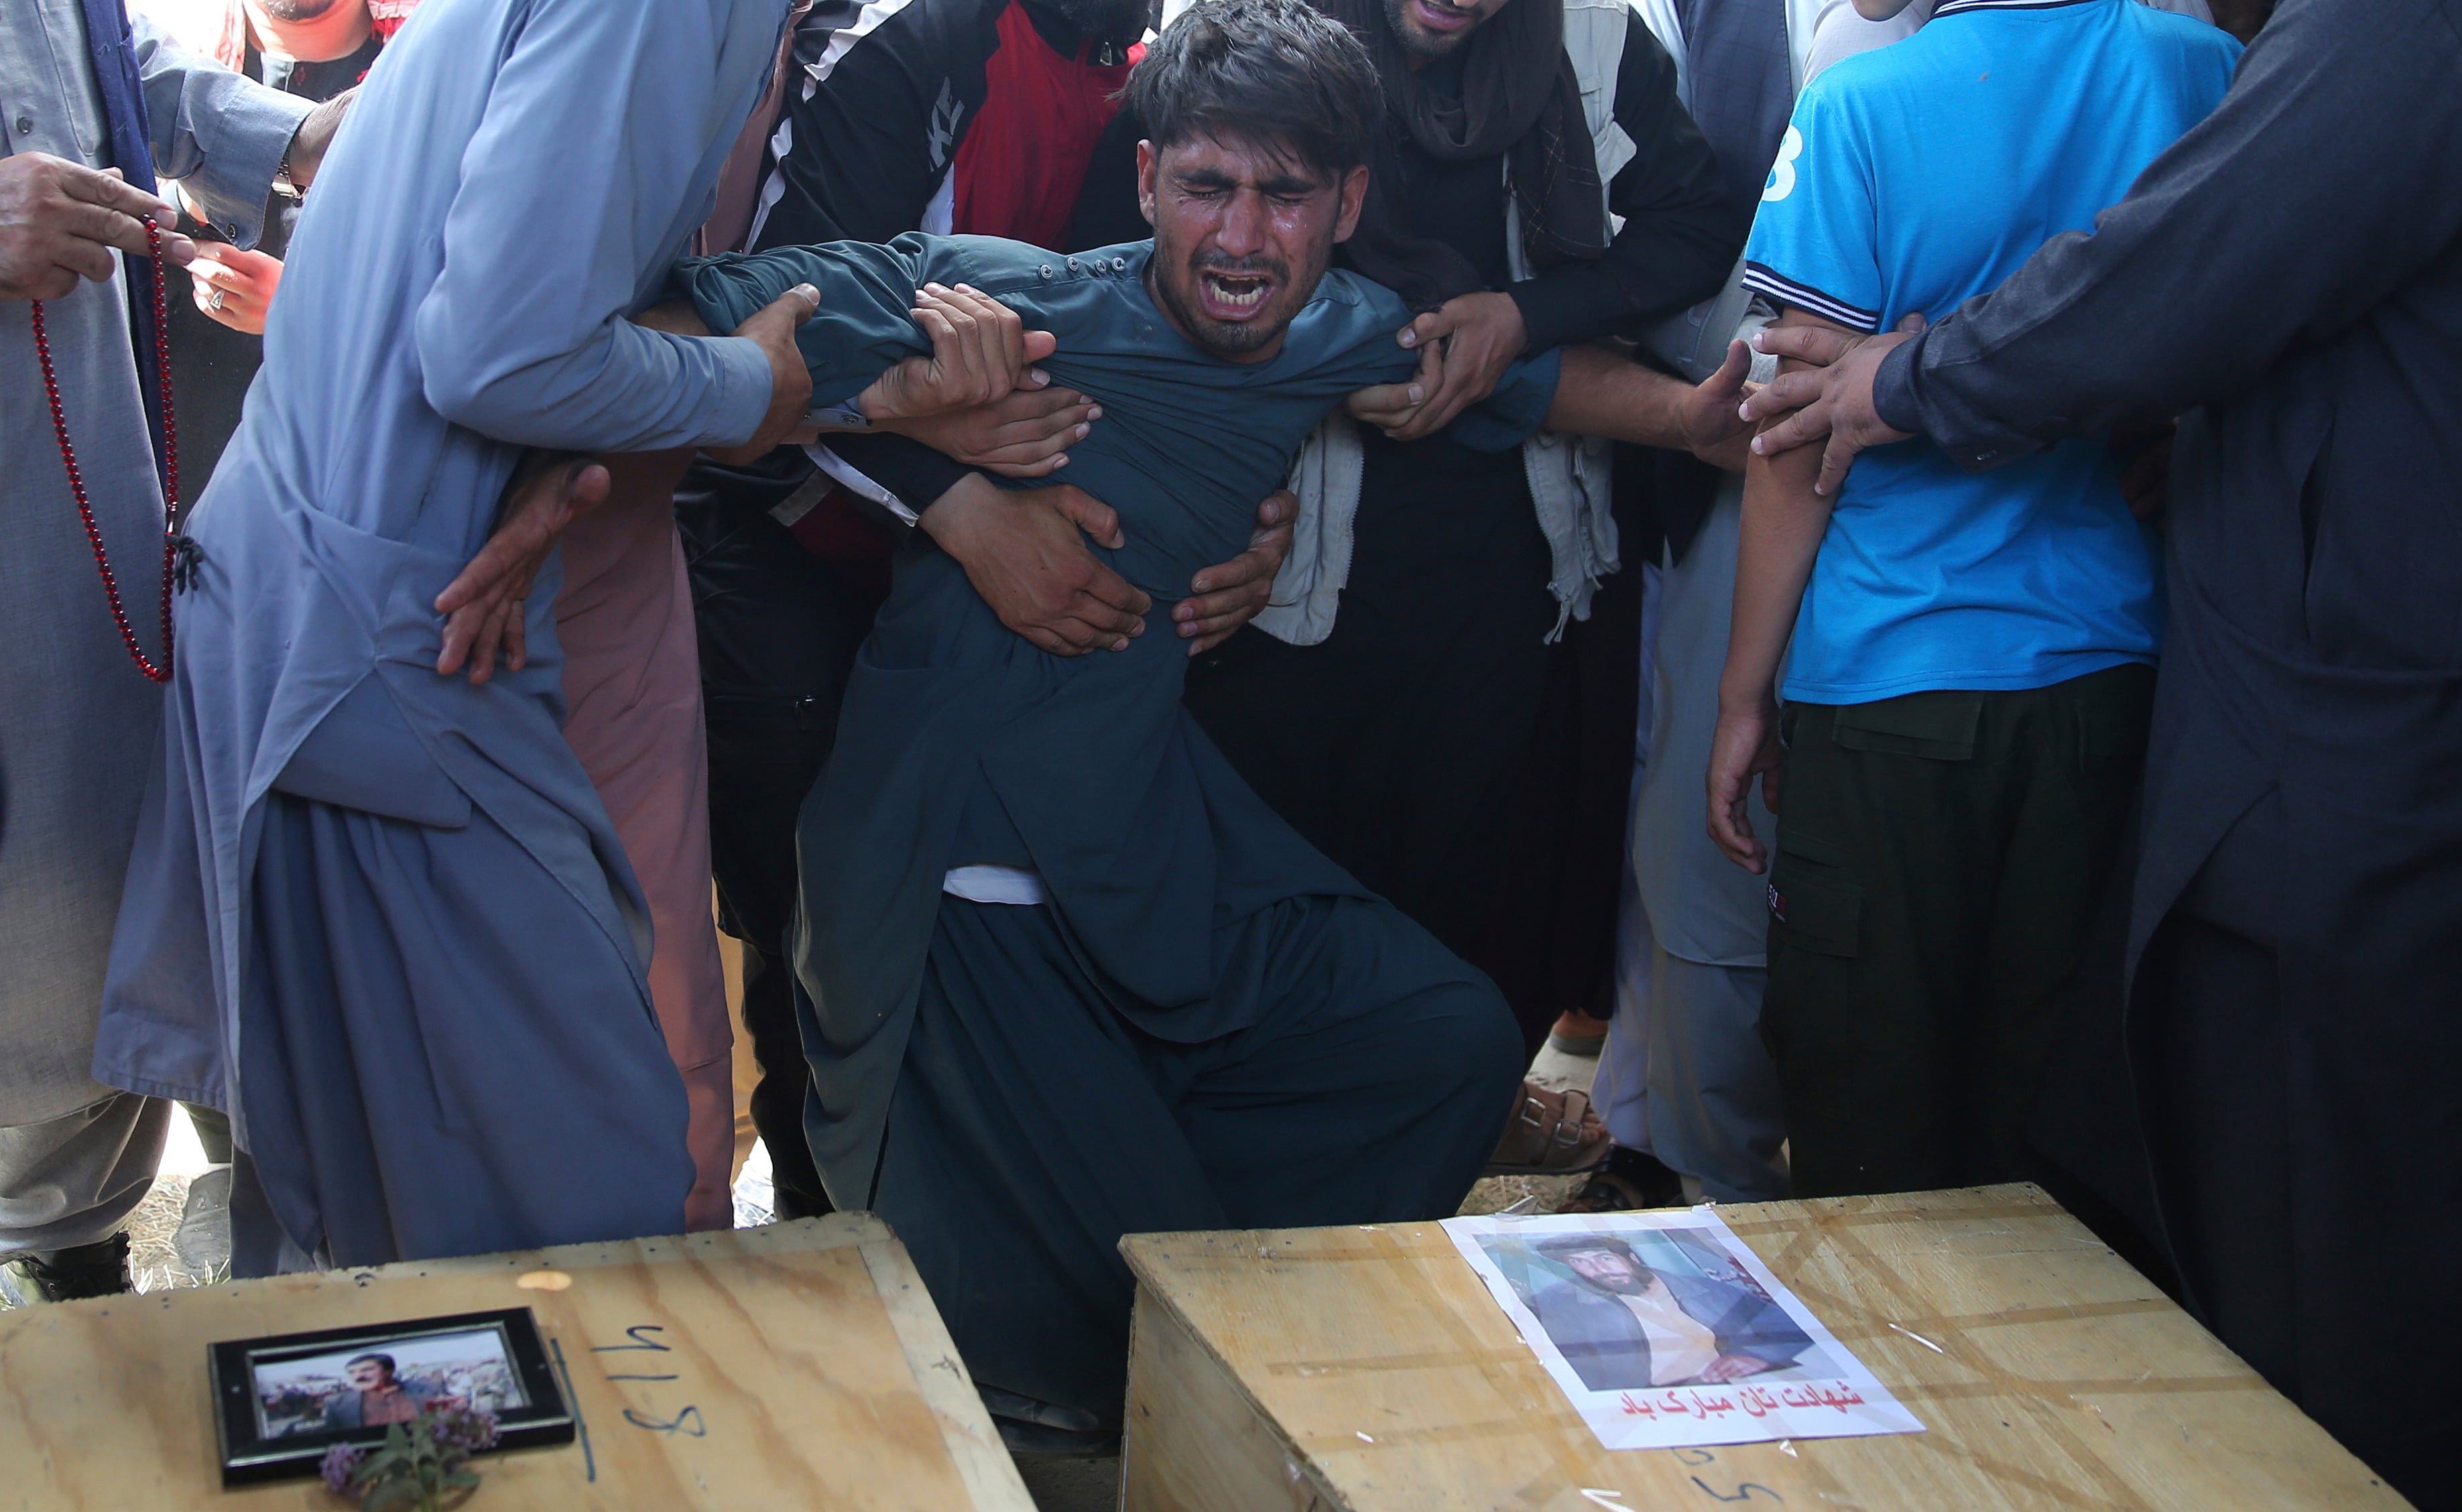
(76, 719)
(379, 915)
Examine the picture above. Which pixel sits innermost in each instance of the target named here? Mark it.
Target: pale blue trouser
(1684, 1075)
(1686, 1078)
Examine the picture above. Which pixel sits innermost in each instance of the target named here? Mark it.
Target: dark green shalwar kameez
(1209, 1025)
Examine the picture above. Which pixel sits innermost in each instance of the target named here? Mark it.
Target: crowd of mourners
(1206, 580)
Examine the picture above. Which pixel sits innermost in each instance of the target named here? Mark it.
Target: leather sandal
(1550, 1133)
(1631, 1181)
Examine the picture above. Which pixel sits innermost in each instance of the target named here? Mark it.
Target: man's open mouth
(1234, 297)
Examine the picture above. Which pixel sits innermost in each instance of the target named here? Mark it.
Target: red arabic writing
(1753, 1401)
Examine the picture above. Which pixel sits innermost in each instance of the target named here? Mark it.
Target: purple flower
(461, 1433)
(341, 1464)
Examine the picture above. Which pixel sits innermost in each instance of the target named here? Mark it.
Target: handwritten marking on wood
(805, 1354)
(573, 1403)
(1742, 1493)
(635, 1333)
(689, 1421)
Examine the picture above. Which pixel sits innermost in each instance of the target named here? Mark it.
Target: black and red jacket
(971, 116)
(968, 115)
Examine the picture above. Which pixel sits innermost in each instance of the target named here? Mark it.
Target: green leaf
(389, 1495)
(462, 1477)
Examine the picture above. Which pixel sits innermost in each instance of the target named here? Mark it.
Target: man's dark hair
(385, 1360)
(1262, 70)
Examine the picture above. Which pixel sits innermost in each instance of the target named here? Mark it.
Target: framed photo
(280, 1403)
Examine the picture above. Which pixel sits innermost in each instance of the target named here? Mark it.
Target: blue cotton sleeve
(864, 324)
(1814, 244)
(523, 336)
(220, 134)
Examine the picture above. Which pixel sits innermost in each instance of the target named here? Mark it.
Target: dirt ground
(151, 1256)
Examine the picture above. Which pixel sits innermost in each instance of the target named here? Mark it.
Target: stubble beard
(1422, 45)
(1229, 339)
(1232, 339)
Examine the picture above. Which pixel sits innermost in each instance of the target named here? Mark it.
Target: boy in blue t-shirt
(1972, 656)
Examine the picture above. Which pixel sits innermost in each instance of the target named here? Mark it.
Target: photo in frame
(281, 1402)
(1665, 1331)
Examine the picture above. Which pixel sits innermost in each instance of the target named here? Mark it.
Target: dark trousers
(2252, 1138)
(1939, 858)
(1034, 1123)
(778, 629)
(1549, 937)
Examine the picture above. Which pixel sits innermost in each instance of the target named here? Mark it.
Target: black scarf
(1518, 98)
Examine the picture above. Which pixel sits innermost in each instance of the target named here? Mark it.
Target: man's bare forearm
(1602, 394)
(677, 317)
(1784, 522)
(646, 478)
(1785, 519)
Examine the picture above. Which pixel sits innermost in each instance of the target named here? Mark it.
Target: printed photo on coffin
(1663, 1329)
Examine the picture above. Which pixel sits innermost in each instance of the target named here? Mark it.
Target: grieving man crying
(1069, 977)
(1233, 218)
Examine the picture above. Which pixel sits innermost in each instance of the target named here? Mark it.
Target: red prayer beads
(170, 471)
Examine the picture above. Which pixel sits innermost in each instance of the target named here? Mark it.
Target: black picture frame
(257, 1447)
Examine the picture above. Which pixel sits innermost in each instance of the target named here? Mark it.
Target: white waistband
(995, 884)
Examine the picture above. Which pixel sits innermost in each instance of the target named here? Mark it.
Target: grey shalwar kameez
(377, 915)
(1685, 1075)
(76, 717)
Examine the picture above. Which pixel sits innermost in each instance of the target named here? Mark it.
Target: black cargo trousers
(1939, 858)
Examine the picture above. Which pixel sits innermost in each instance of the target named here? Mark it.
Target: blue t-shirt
(1916, 177)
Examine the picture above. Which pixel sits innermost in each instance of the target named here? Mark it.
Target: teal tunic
(963, 744)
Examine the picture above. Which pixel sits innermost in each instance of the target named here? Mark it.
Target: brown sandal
(1551, 1134)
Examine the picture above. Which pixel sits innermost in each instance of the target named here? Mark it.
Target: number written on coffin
(689, 1421)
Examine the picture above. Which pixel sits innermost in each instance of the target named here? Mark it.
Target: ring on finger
(215, 300)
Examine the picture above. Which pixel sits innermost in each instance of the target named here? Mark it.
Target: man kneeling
(1066, 978)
